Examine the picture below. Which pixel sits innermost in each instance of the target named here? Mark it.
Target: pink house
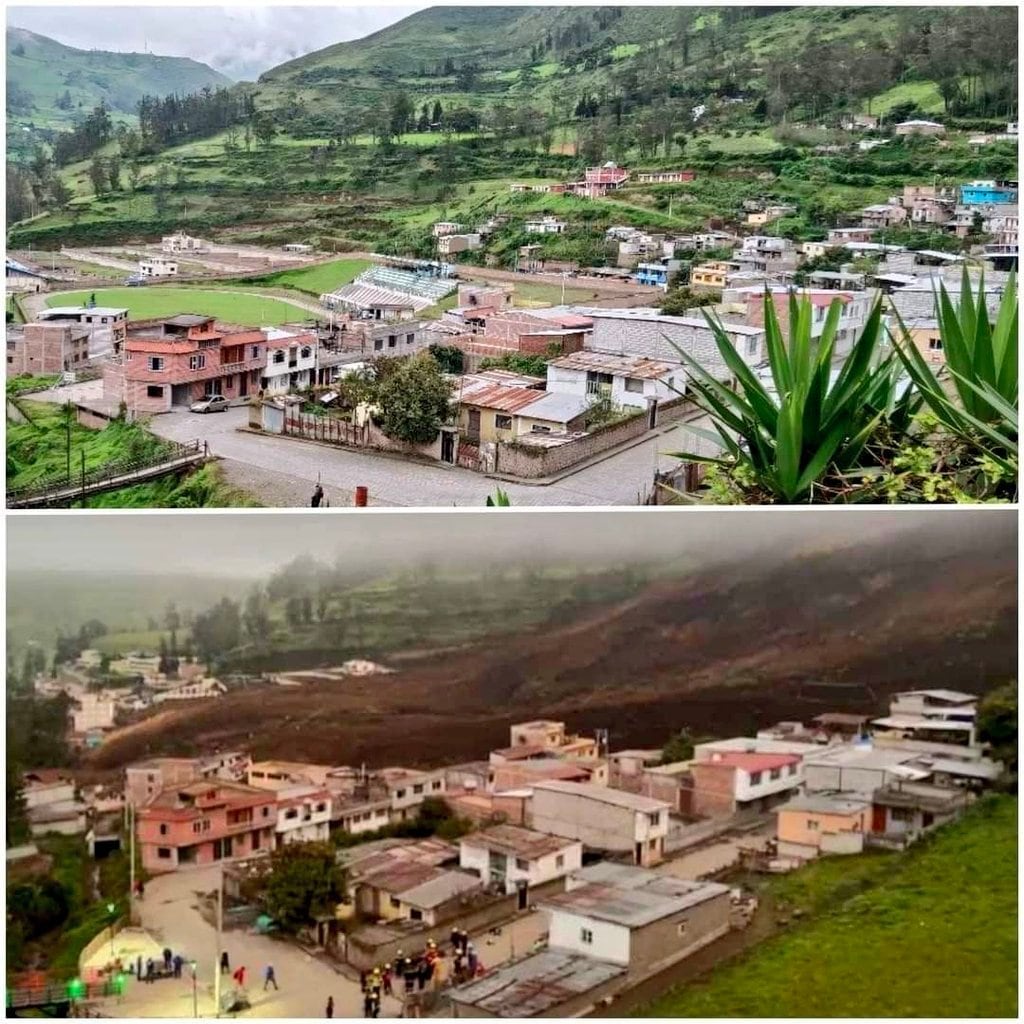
(731, 781)
(178, 361)
(599, 180)
(204, 822)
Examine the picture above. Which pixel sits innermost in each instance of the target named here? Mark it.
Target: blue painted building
(655, 274)
(984, 193)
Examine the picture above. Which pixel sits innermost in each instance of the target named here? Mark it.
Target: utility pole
(220, 927)
(67, 423)
(130, 810)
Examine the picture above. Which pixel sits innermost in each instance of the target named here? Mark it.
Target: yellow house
(503, 412)
(711, 275)
(822, 823)
(758, 218)
(927, 339)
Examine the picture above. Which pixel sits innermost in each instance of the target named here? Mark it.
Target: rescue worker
(385, 977)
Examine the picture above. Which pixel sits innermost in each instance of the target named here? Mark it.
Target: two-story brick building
(175, 362)
(204, 822)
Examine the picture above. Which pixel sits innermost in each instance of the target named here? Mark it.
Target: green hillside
(51, 86)
(879, 924)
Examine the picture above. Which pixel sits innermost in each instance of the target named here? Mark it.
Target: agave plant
(981, 364)
(815, 424)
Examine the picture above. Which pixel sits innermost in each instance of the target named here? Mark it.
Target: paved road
(618, 480)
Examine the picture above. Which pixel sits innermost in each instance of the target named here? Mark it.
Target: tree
(448, 357)
(264, 129)
(60, 194)
(217, 631)
(305, 882)
(114, 173)
(414, 401)
(679, 300)
(255, 617)
(98, 175)
(400, 109)
(17, 817)
(997, 724)
(678, 748)
(437, 113)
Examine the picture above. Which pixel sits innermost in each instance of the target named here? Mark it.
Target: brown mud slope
(725, 652)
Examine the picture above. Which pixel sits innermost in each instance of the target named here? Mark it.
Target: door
(474, 425)
(522, 890)
(652, 415)
(243, 385)
(447, 446)
(877, 819)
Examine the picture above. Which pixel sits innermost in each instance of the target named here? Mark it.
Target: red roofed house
(856, 307)
(178, 361)
(732, 781)
(598, 181)
(205, 822)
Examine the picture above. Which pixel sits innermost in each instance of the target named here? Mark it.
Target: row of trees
(175, 119)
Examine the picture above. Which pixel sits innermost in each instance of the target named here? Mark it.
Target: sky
(241, 42)
(252, 544)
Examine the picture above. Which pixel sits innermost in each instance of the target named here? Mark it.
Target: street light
(195, 1004)
(111, 910)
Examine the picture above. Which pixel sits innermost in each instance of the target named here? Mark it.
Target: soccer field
(247, 310)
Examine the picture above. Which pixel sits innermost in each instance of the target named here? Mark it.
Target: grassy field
(928, 933)
(147, 640)
(530, 295)
(925, 94)
(326, 277)
(248, 310)
(26, 385)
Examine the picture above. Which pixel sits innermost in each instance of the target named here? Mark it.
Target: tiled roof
(751, 762)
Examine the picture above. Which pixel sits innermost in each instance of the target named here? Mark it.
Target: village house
(18, 277)
(919, 727)
(394, 291)
(157, 266)
(942, 705)
(291, 361)
(358, 815)
(603, 819)
(664, 177)
(196, 689)
(205, 822)
(407, 788)
(106, 325)
(514, 773)
(303, 815)
(646, 332)
(599, 181)
(450, 245)
(883, 215)
(820, 823)
(840, 236)
(711, 276)
(143, 780)
(916, 300)
(517, 859)
(658, 274)
(545, 226)
(39, 348)
(180, 242)
(987, 193)
(446, 227)
(758, 218)
(859, 769)
(178, 361)
(277, 775)
(552, 736)
(91, 711)
(903, 811)
(632, 381)
(733, 782)
(52, 803)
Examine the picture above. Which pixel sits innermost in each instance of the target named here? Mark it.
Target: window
(320, 808)
(415, 915)
(418, 788)
(399, 793)
(901, 814)
(291, 813)
(681, 928)
(635, 385)
(792, 769)
(163, 830)
(395, 902)
(196, 362)
(154, 391)
(502, 422)
(279, 356)
(378, 344)
(392, 340)
(655, 818)
(522, 865)
(538, 429)
(776, 773)
(255, 352)
(812, 825)
(197, 827)
(934, 344)
(436, 785)
(156, 363)
(586, 936)
(410, 338)
(266, 812)
(305, 352)
(163, 853)
(755, 778)
(751, 346)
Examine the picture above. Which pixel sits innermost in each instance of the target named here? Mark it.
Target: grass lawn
(760, 142)
(531, 296)
(925, 95)
(157, 300)
(25, 385)
(927, 933)
(326, 277)
(147, 640)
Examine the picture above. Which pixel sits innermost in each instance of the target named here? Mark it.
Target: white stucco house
(514, 857)
(626, 380)
(303, 815)
(291, 361)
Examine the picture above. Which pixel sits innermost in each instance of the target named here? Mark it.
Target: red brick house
(176, 362)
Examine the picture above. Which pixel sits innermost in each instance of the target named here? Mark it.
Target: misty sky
(251, 544)
(241, 41)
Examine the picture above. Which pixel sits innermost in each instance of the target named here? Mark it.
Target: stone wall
(532, 463)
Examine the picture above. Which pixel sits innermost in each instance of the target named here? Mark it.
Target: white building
(93, 712)
(180, 242)
(407, 788)
(601, 818)
(446, 227)
(195, 689)
(52, 804)
(291, 361)
(359, 815)
(158, 266)
(514, 857)
(942, 705)
(546, 226)
(860, 768)
(623, 380)
(612, 912)
(303, 815)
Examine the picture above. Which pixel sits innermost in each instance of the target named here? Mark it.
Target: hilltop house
(664, 177)
(158, 266)
(545, 226)
(178, 361)
(919, 127)
(291, 361)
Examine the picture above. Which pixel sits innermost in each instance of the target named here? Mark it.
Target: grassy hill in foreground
(928, 933)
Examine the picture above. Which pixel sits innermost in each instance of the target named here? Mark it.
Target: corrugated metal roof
(536, 984)
(605, 795)
(556, 407)
(440, 889)
(522, 842)
(502, 397)
(619, 366)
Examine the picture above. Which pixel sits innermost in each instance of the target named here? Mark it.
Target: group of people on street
(168, 966)
(238, 975)
(465, 962)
